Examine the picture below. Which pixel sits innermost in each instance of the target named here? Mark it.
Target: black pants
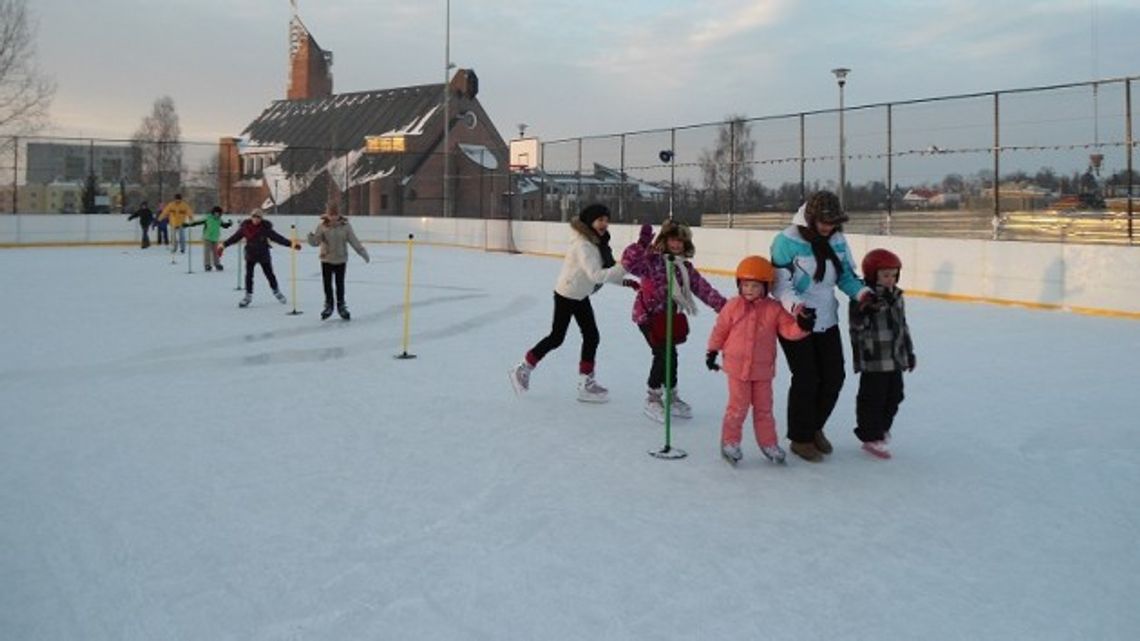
(266, 268)
(879, 396)
(816, 363)
(657, 367)
(328, 271)
(161, 235)
(145, 237)
(565, 309)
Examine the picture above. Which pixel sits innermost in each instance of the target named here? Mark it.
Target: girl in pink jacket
(746, 331)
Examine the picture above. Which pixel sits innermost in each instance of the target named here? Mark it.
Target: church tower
(310, 67)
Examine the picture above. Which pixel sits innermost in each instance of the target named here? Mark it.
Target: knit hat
(877, 259)
(824, 207)
(216, 210)
(592, 213)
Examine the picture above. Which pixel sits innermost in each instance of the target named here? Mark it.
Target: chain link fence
(1042, 163)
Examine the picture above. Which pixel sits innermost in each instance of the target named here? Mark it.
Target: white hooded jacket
(582, 270)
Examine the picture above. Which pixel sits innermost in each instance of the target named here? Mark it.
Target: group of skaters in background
(333, 235)
(788, 300)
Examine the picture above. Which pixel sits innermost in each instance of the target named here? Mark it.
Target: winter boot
(520, 377)
(877, 449)
(589, 391)
(807, 451)
(219, 267)
(327, 311)
(822, 444)
(655, 404)
(773, 453)
(342, 309)
(244, 302)
(208, 268)
(280, 296)
(731, 453)
(681, 409)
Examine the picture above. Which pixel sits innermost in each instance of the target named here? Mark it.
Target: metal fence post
(578, 194)
(731, 171)
(803, 162)
(997, 164)
(621, 198)
(15, 173)
(542, 172)
(890, 169)
(1128, 141)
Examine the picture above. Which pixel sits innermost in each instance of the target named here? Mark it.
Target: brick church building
(375, 152)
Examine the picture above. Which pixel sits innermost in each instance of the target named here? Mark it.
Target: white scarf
(682, 288)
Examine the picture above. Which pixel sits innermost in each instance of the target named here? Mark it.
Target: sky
(569, 68)
(174, 467)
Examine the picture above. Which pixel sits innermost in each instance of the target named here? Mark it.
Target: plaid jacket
(880, 338)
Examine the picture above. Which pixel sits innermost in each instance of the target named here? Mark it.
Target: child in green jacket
(210, 236)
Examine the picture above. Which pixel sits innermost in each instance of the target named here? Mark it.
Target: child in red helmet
(882, 349)
(746, 331)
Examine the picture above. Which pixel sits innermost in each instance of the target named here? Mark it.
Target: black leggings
(657, 367)
(565, 309)
(266, 268)
(877, 403)
(328, 271)
(816, 363)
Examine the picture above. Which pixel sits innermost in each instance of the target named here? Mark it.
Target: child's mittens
(710, 361)
(912, 362)
(646, 236)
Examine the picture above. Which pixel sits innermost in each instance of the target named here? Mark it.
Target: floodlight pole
(841, 77)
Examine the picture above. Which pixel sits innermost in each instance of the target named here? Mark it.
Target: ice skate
(280, 296)
(244, 302)
(327, 311)
(342, 309)
(655, 405)
(520, 377)
(877, 449)
(731, 453)
(774, 453)
(681, 409)
(589, 391)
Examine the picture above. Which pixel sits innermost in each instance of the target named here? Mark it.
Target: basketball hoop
(518, 169)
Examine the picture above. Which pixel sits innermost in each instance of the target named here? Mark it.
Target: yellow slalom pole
(293, 270)
(407, 298)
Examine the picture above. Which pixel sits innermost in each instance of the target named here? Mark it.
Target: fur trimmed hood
(670, 229)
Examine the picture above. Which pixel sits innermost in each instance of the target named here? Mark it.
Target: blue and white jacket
(795, 268)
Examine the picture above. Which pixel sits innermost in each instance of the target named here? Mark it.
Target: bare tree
(159, 150)
(25, 93)
(727, 168)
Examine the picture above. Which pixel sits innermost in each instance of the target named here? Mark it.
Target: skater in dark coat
(146, 218)
(257, 232)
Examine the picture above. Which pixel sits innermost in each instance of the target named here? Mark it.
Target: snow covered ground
(173, 467)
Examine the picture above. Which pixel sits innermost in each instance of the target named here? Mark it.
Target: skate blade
(519, 389)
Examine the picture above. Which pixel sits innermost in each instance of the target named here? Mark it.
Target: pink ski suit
(746, 333)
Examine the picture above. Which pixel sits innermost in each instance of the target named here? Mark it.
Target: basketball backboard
(526, 153)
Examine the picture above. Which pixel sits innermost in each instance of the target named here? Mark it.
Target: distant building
(567, 192)
(313, 147)
(54, 162)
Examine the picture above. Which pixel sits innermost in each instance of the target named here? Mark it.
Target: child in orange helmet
(746, 331)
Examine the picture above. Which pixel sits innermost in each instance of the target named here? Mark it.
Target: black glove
(710, 361)
(806, 319)
(631, 283)
(912, 362)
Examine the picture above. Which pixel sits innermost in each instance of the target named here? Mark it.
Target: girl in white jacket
(588, 264)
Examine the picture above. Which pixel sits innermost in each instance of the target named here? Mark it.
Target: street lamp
(841, 76)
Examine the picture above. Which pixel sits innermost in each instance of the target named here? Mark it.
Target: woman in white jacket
(588, 264)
